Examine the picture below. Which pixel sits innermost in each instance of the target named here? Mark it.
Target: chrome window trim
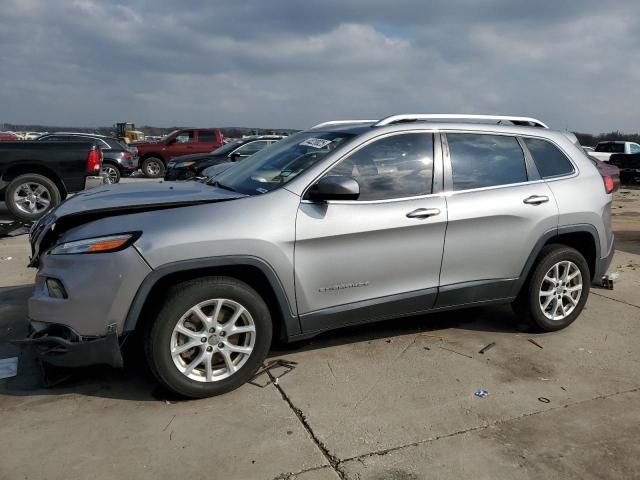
(437, 158)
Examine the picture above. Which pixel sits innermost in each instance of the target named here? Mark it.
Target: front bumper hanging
(60, 346)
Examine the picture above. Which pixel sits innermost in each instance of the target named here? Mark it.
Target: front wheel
(30, 196)
(153, 167)
(210, 337)
(556, 290)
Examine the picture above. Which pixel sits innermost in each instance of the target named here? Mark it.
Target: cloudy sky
(293, 63)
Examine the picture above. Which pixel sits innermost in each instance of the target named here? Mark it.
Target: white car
(604, 150)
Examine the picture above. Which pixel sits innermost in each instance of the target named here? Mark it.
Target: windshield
(229, 147)
(281, 162)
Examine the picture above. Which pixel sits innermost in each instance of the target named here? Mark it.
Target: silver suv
(348, 222)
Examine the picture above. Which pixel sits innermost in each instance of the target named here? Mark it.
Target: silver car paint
(336, 244)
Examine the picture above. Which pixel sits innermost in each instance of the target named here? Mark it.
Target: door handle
(423, 213)
(536, 199)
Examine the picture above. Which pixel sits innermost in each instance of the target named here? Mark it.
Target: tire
(530, 302)
(27, 210)
(112, 173)
(172, 370)
(153, 167)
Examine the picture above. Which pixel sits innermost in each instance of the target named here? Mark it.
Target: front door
(378, 256)
(183, 144)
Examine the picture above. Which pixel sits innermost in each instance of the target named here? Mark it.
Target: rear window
(550, 161)
(207, 136)
(610, 147)
(479, 161)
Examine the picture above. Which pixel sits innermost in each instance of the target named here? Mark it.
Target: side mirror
(234, 156)
(334, 187)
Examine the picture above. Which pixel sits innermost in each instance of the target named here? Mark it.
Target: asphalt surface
(392, 400)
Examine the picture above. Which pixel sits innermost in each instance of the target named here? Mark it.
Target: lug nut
(221, 345)
(209, 349)
(203, 339)
(211, 330)
(223, 333)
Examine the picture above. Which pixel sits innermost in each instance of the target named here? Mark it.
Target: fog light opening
(55, 288)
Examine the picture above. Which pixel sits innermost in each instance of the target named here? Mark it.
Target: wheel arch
(26, 168)
(582, 237)
(157, 155)
(255, 272)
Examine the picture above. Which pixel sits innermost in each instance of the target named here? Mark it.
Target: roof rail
(342, 122)
(523, 121)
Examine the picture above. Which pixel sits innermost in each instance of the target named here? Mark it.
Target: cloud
(285, 63)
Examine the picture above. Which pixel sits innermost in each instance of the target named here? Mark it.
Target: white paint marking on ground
(8, 367)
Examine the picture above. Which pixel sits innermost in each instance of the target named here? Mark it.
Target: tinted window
(393, 167)
(550, 161)
(610, 147)
(485, 160)
(56, 138)
(207, 136)
(252, 147)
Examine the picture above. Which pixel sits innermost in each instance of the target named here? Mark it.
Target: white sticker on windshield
(315, 142)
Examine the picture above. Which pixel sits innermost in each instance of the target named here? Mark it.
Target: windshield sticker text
(315, 142)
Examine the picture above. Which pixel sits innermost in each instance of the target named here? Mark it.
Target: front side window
(634, 148)
(186, 136)
(272, 167)
(479, 160)
(252, 147)
(399, 166)
(549, 161)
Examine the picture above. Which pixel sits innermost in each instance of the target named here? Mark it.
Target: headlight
(183, 164)
(112, 243)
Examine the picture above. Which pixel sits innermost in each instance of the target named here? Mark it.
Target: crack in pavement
(615, 299)
(482, 427)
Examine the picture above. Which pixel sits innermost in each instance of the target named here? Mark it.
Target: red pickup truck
(155, 155)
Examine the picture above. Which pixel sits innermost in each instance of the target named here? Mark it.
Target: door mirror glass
(334, 187)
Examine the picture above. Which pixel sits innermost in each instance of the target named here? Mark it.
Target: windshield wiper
(224, 187)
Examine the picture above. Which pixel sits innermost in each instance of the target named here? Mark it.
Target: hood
(140, 196)
(120, 199)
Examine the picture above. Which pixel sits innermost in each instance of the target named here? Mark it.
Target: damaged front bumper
(60, 346)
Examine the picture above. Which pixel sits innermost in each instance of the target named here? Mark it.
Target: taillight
(608, 183)
(127, 155)
(94, 159)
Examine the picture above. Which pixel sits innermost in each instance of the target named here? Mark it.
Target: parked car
(37, 176)
(154, 156)
(188, 166)
(629, 165)
(346, 223)
(32, 135)
(607, 169)
(8, 137)
(118, 160)
(604, 150)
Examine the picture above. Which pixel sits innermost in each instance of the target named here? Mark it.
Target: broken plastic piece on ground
(15, 228)
(544, 400)
(535, 343)
(8, 367)
(481, 394)
(487, 347)
(288, 365)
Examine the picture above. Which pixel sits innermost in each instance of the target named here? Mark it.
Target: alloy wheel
(111, 174)
(32, 197)
(213, 340)
(561, 290)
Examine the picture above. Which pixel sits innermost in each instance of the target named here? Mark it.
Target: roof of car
(79, 133)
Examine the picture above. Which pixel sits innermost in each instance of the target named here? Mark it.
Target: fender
(548, 235)
(290, 322)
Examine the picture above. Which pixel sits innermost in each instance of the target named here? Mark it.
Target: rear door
(380, 255)
(498, 209)
(207, 141)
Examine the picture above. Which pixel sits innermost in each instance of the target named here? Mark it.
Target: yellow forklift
(127, 132)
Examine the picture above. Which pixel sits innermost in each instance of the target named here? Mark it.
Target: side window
(185, 137)
(207, 136)
(634, 148)
(479, 160)
(57, 138)
(550, 161)
(252, 147)
(393, 167)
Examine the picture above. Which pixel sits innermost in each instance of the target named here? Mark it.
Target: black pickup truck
(36, 176)
(629, 165)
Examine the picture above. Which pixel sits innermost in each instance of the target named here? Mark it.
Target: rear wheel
(556, 290)
(210, 337)
(29, 196)
(153, 167)
(111, 173)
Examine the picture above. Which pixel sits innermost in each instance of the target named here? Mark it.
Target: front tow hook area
(61, 347)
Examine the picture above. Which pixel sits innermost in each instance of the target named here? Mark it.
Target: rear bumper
(93, 181)
(602, 264)
(60, 346)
